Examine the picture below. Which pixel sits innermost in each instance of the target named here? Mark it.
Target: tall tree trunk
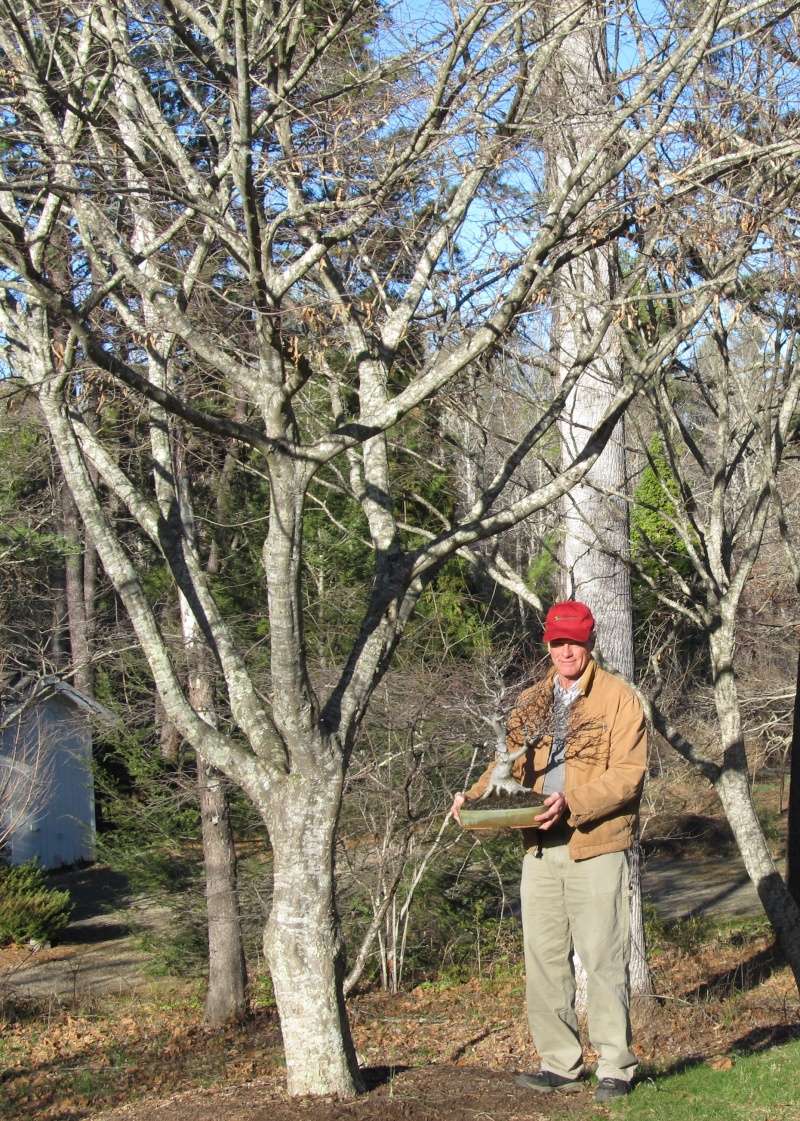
(640, 979)
(90, 567)
(595, 514)
(302, 942)
(170, 741)
(59, 612)
(90, 598)
(226, 995)
(596, 540)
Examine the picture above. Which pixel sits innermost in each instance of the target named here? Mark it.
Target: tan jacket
(606, 756)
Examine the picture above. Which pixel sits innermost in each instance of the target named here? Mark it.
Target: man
(586, 751)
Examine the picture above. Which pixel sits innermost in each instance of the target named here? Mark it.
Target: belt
(559, 835)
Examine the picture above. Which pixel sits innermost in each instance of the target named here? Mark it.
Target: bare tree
(292, 247)
(725, 419)
(725, 414)
(792, 546)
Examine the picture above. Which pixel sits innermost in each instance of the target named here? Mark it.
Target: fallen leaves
(72, 1063)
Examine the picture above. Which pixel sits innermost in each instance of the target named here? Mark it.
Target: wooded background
(338, 340)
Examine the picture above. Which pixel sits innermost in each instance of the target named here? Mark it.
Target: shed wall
(51, 805)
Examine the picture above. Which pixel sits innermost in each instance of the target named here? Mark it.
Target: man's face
(569, 657)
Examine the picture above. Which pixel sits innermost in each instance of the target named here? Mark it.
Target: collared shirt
(563, 699)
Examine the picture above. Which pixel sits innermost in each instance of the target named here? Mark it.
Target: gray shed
(46, 783)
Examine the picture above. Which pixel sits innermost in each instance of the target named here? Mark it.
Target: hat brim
(571, 634)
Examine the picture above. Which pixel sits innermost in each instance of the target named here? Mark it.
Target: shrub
(29, 909)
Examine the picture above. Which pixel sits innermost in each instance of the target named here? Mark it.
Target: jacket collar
(587, 677)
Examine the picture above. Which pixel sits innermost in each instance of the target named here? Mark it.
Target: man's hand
(555, 806)
(455, 809)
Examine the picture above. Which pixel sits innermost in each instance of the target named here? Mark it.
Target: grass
(761, 1087)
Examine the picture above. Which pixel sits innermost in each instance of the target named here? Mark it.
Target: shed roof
(28, 691)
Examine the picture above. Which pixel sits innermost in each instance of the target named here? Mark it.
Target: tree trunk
(780, 908)
(169, 738)
(170, 741)
(595, 515)
(641, 981)
(226, 996)
(74, 561)
(596, 540)
(793, 824)
(89, 599)
(60, 615)
(89, 573)
(733, 787)
(302, 943)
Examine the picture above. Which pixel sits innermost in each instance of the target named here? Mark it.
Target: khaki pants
(584, 904)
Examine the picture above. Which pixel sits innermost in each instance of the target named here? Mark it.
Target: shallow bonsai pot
(513, 817)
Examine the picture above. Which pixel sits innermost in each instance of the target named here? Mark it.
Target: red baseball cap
(570, 619)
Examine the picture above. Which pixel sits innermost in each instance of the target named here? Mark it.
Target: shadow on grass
(757, 1040)
(754, 1042)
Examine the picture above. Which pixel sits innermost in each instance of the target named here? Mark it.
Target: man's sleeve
(621, 784)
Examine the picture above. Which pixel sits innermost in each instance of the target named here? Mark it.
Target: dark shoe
(609, 1088)
(545, 1081)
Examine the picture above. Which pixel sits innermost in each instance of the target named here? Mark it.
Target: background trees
(284, 247)
(725, 422)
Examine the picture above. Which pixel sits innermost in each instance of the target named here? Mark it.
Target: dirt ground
(424, 1094)
(85, 1034)
(431, 1054)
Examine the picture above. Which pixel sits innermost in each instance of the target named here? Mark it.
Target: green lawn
(763, 1087)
